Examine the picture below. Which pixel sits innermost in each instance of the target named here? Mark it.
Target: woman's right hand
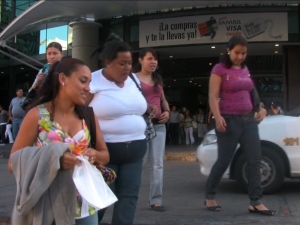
(69, 161)
(220, 124)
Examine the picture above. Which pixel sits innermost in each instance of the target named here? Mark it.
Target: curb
(181, 156)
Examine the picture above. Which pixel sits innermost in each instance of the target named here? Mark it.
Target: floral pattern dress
(49, 132)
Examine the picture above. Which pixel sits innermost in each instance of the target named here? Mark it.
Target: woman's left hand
(91, 153)
(261, 114)
(164, 117)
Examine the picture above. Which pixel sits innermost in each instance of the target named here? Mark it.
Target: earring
(63, 84)
(228, 53)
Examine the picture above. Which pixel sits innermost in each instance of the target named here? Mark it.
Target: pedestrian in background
(54, 54)
(235, 124)
(188, 127)
(276, 109)
(3, 122)
(119, 106)
(181, 127)
(8, 133)
(152, 88)
(173, 123)
(15, 112)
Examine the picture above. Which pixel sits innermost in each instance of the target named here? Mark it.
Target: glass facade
(61, 34)
(184, 70)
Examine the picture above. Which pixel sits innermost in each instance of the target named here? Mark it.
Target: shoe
(266, 212)
(159, 208)
(216, 208)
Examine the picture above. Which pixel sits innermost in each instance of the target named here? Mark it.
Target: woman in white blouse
(119, 106)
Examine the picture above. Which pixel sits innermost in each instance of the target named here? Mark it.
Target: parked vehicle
(280, 138)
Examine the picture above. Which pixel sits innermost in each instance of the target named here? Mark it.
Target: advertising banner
(208, 29)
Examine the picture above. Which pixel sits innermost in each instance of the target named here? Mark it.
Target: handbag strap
(87, 113)
(136, 83)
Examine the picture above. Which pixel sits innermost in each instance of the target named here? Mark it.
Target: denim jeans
(174, 132)
(155, 158)
(2, 133)
(243, 130)
(126, 160)
(16, 123)
(89, 220)
(189, 136)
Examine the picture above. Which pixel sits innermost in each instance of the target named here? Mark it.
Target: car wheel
(272, 171)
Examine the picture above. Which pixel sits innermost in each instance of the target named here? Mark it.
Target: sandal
(159, 208)
(216, 208)
(266, 212)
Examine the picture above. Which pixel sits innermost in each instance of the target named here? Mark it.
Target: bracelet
(167, 111)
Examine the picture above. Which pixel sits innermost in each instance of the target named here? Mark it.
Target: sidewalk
(173, 152)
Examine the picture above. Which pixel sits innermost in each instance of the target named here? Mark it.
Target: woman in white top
(119, 106)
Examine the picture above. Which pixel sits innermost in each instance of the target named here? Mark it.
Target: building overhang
(52, 11)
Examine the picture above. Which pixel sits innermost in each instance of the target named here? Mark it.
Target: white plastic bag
(91, 185)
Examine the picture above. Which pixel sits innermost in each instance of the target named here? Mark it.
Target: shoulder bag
(150, 131)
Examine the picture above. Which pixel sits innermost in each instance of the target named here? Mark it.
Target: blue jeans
(243, 130)
(126, 160)
(16, 123)
(89, 220)
(155, 157)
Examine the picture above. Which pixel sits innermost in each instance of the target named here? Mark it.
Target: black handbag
(87, 113)
(150, 131)
(29, 98)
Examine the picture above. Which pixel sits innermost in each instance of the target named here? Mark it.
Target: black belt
(18, 117)
(251, 114)
(154, 120)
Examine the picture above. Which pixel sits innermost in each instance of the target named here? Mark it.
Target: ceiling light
(213, 46)
(2, 72)
(169, 86)
(199, 85)
(195, 83)
(170, 56)
(191, 81)
(276, 52)
(221, 53)
(276, 45)
(210, 64)
(174, 80)
(22, 68)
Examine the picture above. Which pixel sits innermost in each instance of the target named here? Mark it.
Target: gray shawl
(45, 193)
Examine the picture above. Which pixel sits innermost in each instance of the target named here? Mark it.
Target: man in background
(16, 113)
(174, 120)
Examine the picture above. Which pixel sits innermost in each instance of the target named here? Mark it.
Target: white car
(280, 139)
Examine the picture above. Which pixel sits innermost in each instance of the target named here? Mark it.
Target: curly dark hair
(234, 41)
(108, 52)
(49, 88)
